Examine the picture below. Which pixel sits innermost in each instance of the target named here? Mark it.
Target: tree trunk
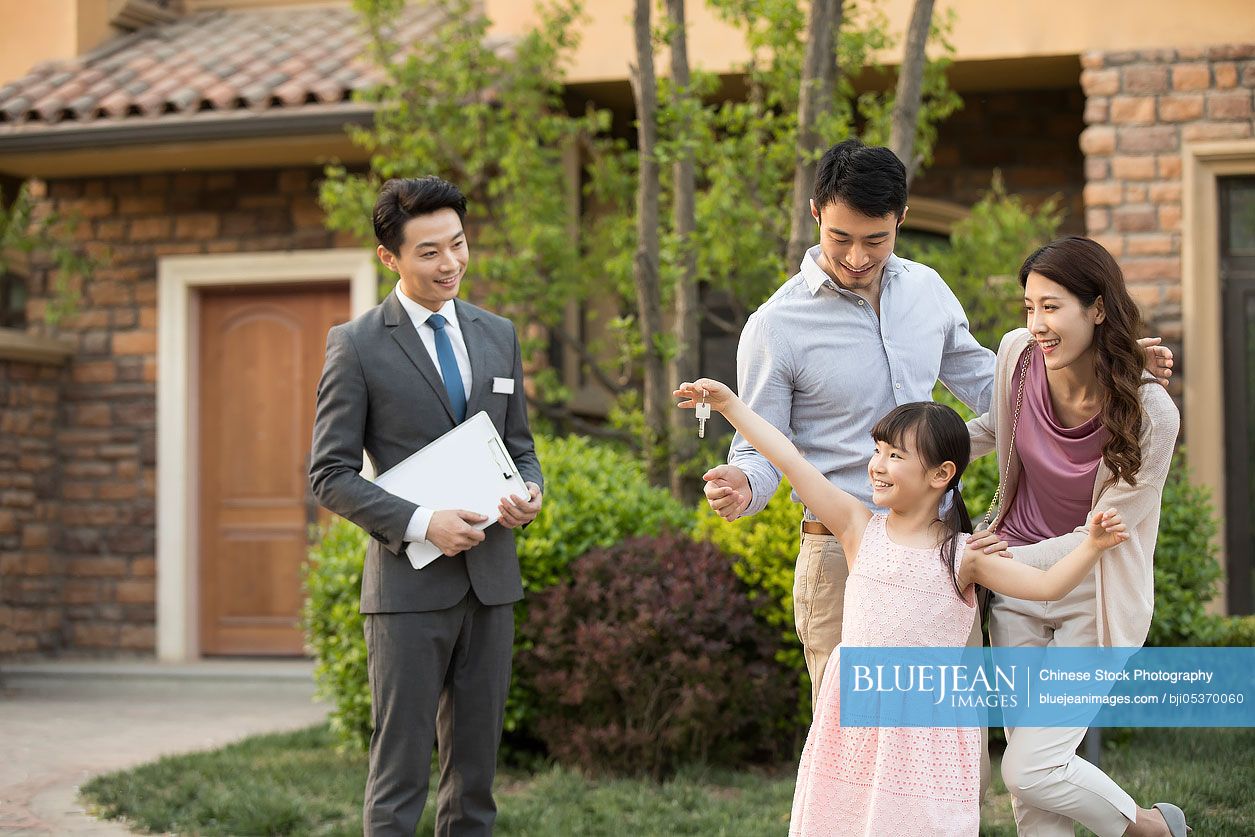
(906, 101)
(686, 328)
(819, 78)
(657, 401)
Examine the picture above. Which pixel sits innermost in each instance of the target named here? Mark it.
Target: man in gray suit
(438, 639)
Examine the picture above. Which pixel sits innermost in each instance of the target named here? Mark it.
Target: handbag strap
(996, 502)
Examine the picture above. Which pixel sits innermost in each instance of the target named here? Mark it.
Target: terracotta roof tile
(288, 59)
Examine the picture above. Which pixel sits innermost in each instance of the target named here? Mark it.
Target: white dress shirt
(416, 532)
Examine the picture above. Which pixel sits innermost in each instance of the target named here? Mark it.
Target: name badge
(504, 385)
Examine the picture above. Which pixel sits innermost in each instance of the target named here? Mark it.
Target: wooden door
(261, 352)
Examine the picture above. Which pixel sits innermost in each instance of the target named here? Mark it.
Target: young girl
(911, 584)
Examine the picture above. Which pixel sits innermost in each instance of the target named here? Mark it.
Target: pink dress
(891, 780)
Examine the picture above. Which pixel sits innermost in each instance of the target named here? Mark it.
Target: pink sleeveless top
(1058, 465)
(875, 781)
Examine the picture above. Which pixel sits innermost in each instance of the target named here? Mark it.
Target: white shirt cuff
(416, 532)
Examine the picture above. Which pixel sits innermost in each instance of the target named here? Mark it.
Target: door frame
(1203, 163)
(179, 280)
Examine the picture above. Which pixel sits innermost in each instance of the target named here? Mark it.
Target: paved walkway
(62, 723)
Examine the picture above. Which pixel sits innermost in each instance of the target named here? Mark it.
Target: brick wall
(1029, 135)
(1140, 108)
(105, 549)
(30, 574)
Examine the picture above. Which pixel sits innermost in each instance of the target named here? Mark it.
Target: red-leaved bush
(651, 658)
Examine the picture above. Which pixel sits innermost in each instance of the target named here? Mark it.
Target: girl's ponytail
(957, 521)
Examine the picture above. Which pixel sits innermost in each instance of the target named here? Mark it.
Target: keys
(702, 411)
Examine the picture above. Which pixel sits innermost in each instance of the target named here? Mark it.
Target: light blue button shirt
(818, 363)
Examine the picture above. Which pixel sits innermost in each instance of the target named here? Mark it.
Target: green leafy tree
(492, 119)
(686, 328)
(762, 201)
(739, 235)
(764, 552)
(645, 275)
(981, 261)
(909, 137)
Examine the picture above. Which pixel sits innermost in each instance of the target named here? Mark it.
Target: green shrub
(979, 482)
(333, 628)
(595, 496)
(764, 550)
(1222, 631)
(1186, 565)
(650, 659)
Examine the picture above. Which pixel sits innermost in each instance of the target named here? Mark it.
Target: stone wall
(104, 550)
(31, 576)
(1140, 108)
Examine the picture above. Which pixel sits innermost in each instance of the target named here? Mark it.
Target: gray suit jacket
(380, 391)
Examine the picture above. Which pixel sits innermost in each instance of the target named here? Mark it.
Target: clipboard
(467, 468)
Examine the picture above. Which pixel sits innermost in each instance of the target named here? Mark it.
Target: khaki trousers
(1051, 786)
(819, 602)
(819, 606)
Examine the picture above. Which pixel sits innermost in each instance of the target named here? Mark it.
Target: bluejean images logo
(1045, 687)
(963, 685)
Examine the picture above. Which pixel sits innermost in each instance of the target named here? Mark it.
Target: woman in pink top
(1077, 426)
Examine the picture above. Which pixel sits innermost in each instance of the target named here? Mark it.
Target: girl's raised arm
(841, 512)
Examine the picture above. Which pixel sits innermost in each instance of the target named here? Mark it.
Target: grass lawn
(296, 783)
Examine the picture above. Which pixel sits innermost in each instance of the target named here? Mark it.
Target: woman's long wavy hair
(940, 436)
(1088, 271)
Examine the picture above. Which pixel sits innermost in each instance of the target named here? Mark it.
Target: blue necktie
(449, 367)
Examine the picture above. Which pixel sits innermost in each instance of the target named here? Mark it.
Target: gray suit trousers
(437, 677)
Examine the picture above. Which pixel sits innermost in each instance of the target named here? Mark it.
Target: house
(153, 491)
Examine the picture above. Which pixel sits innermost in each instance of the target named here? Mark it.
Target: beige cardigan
(1125, 575)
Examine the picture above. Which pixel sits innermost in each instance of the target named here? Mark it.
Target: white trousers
(1051, 786)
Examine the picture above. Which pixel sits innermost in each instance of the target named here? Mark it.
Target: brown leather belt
(814, 527)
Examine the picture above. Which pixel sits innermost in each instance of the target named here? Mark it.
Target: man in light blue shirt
(855, 333)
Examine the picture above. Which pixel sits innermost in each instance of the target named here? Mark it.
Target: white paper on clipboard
(467, 468)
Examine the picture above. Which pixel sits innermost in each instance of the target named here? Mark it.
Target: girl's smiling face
(898, 477)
